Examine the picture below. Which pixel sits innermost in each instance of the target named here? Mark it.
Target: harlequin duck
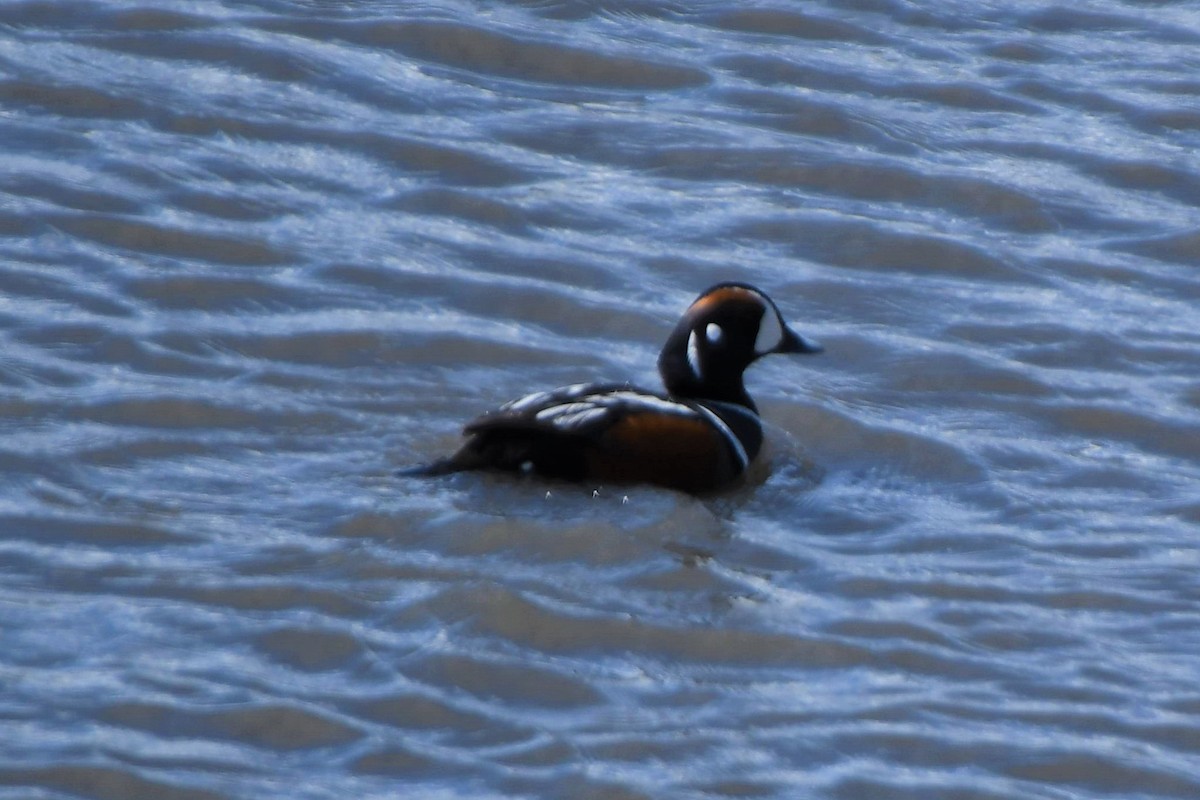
(698, 437)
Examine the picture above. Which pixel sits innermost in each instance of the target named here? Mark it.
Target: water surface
(256, 256)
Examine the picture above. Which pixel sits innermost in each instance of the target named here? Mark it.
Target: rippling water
(256, 256)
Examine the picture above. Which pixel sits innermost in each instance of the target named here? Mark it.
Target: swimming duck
(699, 436)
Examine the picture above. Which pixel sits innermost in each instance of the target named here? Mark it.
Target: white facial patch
(713, 333)
(770, 332)
(693, 354)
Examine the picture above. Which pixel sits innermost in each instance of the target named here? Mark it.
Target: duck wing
(605, 432)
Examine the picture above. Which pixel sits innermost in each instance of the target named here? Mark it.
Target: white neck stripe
(738, 450)
(738, 407)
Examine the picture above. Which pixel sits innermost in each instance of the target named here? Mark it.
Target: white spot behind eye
(713, 332)
(770, 332)
(693, 355)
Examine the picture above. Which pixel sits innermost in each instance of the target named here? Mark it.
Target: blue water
(254, 257)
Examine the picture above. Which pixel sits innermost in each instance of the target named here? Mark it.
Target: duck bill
(794, 343)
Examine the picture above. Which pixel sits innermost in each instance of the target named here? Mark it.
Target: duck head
(725, 330)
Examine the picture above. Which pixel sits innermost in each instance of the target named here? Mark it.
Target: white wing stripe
(576, 409)
(649, 401)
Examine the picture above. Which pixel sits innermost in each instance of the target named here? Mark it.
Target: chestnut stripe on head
(724, 295)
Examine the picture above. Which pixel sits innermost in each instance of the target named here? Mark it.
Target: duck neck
(680, 380)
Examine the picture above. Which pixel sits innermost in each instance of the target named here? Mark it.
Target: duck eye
(713, 333)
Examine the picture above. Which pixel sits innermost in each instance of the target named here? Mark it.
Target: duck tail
(443, 466)
(466, 459)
